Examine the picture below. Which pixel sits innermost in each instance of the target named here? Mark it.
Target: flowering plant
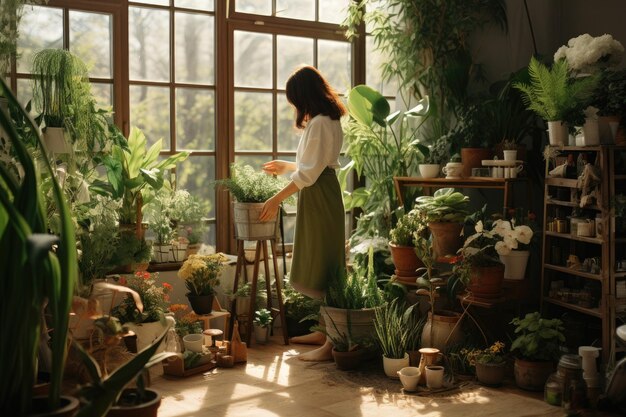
(494, 354)
(186, 321)
(155, 299)
(586, 53)
(201, 273)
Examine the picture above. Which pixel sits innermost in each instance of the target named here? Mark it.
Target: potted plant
(299, 310)
(441, 328)
(381, 145)
(146, 320)
(63, 95)
(347, 352)
(490, 364)
(435, 155)
(262, 325)
(517, 233)
(391, 335)
(609, 99)
(250, 189)
(201, 276)
(402, 244)
(537, 347)
(158, 218)
(36, 277)
(444, 213)
(555, 96)
(187, 212)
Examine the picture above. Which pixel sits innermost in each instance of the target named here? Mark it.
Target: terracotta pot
(447, 238)
(405, 259)
(532, 376)
(67, 408)
(348, 360)
(201, 304)
(473, 158)
(125, 408)
(491, 374)
(486, 281)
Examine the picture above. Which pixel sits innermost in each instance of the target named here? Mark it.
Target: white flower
(502, 248)
(585, 52)
(523, 234)
(479, 226)
(501, 227)
(510, 241)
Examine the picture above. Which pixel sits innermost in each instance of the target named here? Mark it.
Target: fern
(552, 93)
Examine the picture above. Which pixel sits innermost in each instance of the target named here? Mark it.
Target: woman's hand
(278, 167)
(270, 209)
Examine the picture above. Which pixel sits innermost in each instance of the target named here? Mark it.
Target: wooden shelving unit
(560, 248)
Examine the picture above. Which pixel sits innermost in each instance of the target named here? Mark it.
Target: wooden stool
(213, 333)
(241, 264)
(217, 313)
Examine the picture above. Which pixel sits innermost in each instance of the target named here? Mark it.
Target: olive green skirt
(319, 243)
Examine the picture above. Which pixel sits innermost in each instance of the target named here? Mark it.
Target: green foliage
(297, 305)
(130, 250)
(154, 298)
(437, 153)
(34, 275)
(134, 171)
(381, 146)
(552, 93)
(389, 331)
(263, 318)
(610, 96)
(359, 289)
(248, 185)
(427, 48)
(538, 338)
(406, 229)
(445, 205)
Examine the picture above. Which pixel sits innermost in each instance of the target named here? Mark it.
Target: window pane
(254, 6)
(194, 48)
(296, 9)
(157, 2)
(103, 93)
(253, 121)
(373, 70)
(148, 44)
(335, 63)
(333, 11)
(24, 92)
(288, 134)
(195, 174)
(150, 111)
(206, 5)
(292, 52)
(195, 119)
(253, 59)
(90, 39)
(40, 28)
(255, 161)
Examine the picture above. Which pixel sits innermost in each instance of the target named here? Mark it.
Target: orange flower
(174, 308)
(167, 286)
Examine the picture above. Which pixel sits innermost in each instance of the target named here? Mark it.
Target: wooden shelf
(574, 272)
(620, 274)
(570, 204)
(578, 238)
(588, 311)
(562, 182)
(577, 148)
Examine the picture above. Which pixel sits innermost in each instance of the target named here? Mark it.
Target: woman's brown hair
(311, 95)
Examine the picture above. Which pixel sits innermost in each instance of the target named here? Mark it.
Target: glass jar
(553, 391)
(573, 385)
(576, 397)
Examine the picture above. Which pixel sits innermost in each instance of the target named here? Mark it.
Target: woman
(319, 243)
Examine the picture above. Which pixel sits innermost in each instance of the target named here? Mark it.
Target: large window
(201, 77)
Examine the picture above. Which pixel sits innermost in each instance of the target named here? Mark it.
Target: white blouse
(319, 147)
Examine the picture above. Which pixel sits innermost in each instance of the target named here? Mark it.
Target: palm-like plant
(552, 93)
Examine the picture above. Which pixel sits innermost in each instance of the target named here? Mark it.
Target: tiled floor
(275, 383)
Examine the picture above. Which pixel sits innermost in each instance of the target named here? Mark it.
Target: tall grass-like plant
(34, 275)
(390, 330)
(552, 93)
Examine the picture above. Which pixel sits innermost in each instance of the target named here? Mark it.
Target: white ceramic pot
(261, 334)
(557, 132)
(56, 141)
(393, 366)
(453, 170)
(591, 132)
(510, 154)
(515, 264)
(434, 376)
(409, 376)
(429, 170)
(147, 333)
(193, 342)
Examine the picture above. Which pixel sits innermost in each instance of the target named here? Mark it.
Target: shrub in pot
(490, 364)
(201, 276)
(262, 323)
(444, 213)
(537, 347)
(402, 244)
